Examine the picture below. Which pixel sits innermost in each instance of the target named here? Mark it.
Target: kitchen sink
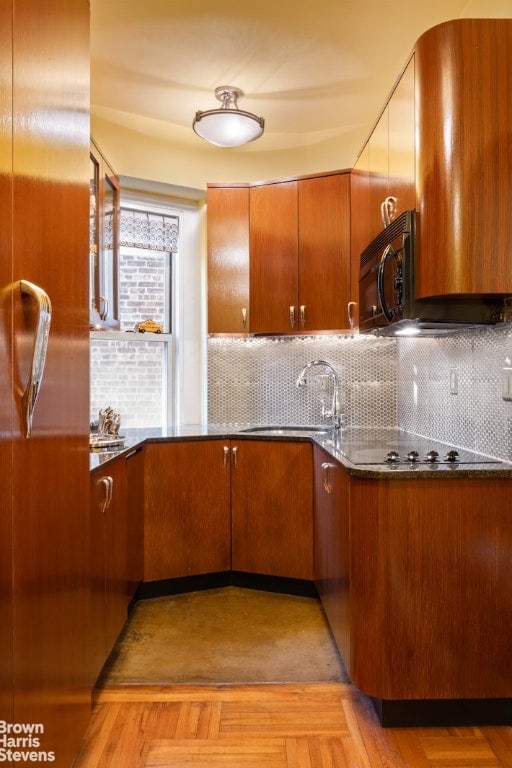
(288, 430)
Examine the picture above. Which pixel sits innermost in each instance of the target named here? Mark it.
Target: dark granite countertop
(336, 444)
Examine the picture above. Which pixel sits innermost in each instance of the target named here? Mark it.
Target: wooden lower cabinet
(220, 505)
(187, 517)
(117, 519)
(272, 508)
(332, 546)
(414, 577)
(430, 574)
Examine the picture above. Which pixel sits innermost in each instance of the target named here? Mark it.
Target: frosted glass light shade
(228, 126)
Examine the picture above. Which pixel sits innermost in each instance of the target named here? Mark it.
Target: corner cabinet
(288, 273)
(221, 505)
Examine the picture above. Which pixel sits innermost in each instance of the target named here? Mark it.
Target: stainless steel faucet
(333, 412)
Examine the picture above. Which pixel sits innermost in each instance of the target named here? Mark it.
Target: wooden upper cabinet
(401, 143)
(384, 175)
(279, 256)
(300, 255)
(273, 258)
(228, 259)
(378, 174)
(324, 252)
(464, 160)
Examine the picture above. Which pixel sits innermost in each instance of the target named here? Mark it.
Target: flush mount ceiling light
(228, 126)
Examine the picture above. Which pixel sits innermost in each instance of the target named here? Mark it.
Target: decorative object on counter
(334, 411)
(228, 126)
(148, 326)
(107, 433)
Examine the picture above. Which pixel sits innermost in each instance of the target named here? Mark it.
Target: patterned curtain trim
(150, 231)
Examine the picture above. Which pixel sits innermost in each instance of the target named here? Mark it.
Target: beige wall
(188, 161)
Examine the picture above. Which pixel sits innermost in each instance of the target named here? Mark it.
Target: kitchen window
(133, 372)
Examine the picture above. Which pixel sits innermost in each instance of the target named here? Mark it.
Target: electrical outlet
(454, 382)
(506, 380)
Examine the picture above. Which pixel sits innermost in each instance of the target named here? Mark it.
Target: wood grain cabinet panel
(272, 508)
(273, 258)
(228, 259)
(45, 130)
(109, 556)
(324, 288)
(441, 146)
(187, 509)
(385, 169)
(6, 403)
(279, 256)
(464, 161)
(220, 505)
(332, 546)
(430, 574)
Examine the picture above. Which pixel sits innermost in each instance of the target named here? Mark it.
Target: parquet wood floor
(272, 726)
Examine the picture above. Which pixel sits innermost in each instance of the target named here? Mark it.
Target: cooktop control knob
(431, 456)
(393, 456)
(412, 456)
(452, 456)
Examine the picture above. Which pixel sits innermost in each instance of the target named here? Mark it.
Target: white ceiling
(313, 69)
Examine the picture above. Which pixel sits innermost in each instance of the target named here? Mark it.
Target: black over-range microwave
(387, 302)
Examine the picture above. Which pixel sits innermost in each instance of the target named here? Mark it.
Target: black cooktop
(400, 448)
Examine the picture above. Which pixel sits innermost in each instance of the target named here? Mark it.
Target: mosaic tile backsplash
(383, 382)
(253, 380)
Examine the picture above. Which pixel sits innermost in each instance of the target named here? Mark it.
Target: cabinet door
(324, 252)
(100, 491)
(464, 179)
(187, 517)
(332, 551)
(117, 547)
(272, 508)
(228, 259)
(378, 168)
(402, 151)
(51, 467)
(117, 565)
(359, 221)
(273, 262)
(6, 407)
(135, 519)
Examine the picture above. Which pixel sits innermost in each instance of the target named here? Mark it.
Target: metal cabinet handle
(326, 476)
(292, 316)
(234, 452)
(388, 210)
(350, 310)
(107, 483)
(44, 318)
(244, 317)
(226, 456)
(302, 315)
